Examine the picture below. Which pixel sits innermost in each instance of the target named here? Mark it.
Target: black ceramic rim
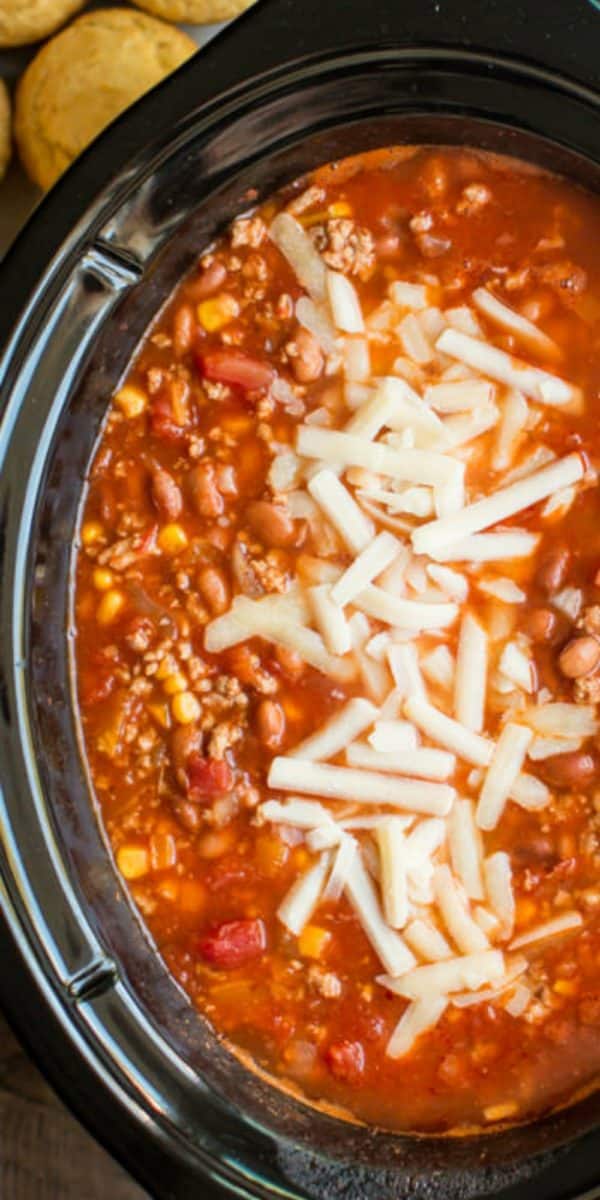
(86, 1018)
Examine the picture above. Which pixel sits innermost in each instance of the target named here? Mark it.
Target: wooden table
(45, 1154)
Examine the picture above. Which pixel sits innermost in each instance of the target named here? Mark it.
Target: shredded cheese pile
(388, 828)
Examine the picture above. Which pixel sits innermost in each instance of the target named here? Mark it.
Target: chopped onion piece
(295, 245)
(454, 911)
(462, 396)
(340, 870)
(561, 719)
(496, 364)
(471, 674)
(569, 601)
(345, 725)
(464, 843)
(542, 748)
(420, 1016)
(497, 873)
(507, 760)
(427, 941)
(341, 509)
(549, 929)
(469, 971)
(392, 858)
(490, 547)
(523, 329)
(344, 302)
(423, 763)
(367, 566)
(449, 733)
(517, 666)
(299, 903)
(386, 942)
(362, 787)
(330, 620)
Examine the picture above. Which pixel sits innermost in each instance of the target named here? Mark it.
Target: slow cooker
(288, 86)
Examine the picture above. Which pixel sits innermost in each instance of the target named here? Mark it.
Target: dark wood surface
(45, 1154)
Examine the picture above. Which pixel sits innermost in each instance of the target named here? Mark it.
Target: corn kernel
(565, 987)
(132, 861)
(340, 208)
(161, 714)
(500, 1112)
(185, 708)
(102, 579)
(163, 851)
(172, 539)
(109, 607)
(131, 400)
(312, 941)
(214, 314)
(301, 858)
(167, 666)
(175, 683)
(91, 532)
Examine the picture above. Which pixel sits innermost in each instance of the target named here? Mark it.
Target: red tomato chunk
(346, 1061)
(229, 366)
(208, 776)
(234, 943)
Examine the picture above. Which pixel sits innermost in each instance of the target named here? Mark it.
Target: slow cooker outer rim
(49, 1056)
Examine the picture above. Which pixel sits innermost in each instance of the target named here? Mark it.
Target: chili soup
(338, 637)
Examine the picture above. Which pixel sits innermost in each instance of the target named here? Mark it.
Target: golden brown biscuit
(82, 79)
(198, 12)
(23, 21)
(5, 132)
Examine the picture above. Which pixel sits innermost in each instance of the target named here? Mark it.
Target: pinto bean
(272, 524)
(209, 281)
(570, 771)
(580, 656)
(290, 662)
(213, 585)
(185, 741)
(204, 493)
(552, 571)
(308, 362)
(270, 722)
(542, 624)
(184, 330)
(166, 494)
(189, 815)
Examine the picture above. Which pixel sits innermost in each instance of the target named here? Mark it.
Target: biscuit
(5, 133)
(23, 21)
(83, 78)
(200, 12)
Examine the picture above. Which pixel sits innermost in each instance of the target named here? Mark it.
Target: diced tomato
(234, 943)
(346, 1061)
(208, 776)
(162, 421)
(232, 366)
